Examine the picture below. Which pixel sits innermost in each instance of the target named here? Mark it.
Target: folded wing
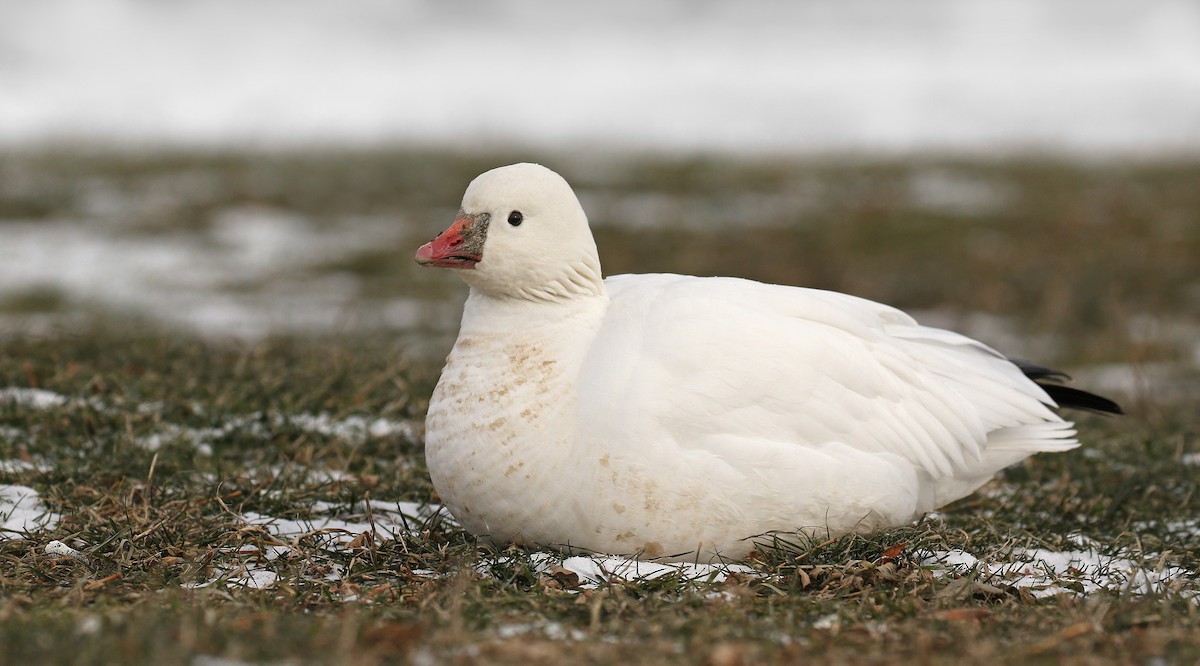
(692, 357)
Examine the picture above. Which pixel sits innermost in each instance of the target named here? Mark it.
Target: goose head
(520, 233)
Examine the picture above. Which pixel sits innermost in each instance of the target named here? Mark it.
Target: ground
(210, 439)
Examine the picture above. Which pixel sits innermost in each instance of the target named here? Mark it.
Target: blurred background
(1027, 171)
(1089, 77)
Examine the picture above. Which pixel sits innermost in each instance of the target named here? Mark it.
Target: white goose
(675, 417)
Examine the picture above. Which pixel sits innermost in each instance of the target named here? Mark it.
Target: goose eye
(515, 218)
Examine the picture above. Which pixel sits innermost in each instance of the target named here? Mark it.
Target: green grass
(1075, 255)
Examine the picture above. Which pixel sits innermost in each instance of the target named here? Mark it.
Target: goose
(674, 417)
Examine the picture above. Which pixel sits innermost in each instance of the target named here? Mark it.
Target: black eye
(515, 218)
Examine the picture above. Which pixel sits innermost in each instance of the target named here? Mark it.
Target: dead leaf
(893, 553)
(565, 577)
(363, 540)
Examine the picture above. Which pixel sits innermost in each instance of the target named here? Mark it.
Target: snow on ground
(244, 576)
(22, 512)
(761, 75)
(34, 398)
(256, 270)
(554, 631)
(1185, 529)
(596, 570)
(354, 427)
(198, 278)
(351, 428)
(334, 529)
(1046, 573)
(22, 466)
(339, 527)
(337, 530)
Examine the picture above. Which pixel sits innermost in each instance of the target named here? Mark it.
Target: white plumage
(678, 417)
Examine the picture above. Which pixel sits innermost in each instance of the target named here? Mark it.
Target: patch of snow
(413, 511)
(354, 427)
(22, 511)
(955, 559)
(600, 569)
(555, 631)
(1190, 459)
(1183, 529)
(35, 398)
(198, 438)
(386, 520)
(831, 621)
(217, 283)
(20, 466)
(1161, 382)
(323, 475)
(597, 569)
(89, 625)
(338, 532)
(953, 193)
(1149, 329)
(1047, 573)
(244, 577)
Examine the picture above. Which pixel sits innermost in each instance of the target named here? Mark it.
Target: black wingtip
(1073, 398)
(1065, 396)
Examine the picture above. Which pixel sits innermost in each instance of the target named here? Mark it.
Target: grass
(165, 439)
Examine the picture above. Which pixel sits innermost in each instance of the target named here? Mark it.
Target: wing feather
(696, 356)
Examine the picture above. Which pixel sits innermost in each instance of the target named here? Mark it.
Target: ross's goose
(676, 417)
